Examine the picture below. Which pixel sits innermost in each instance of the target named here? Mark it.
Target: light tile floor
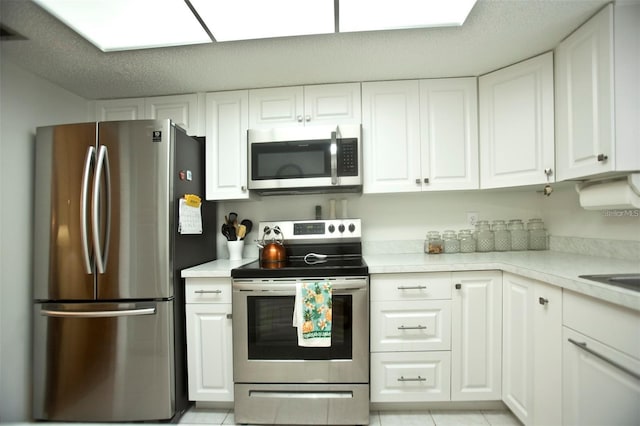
(198, 416)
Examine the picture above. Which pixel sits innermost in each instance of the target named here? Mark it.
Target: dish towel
(312, 314)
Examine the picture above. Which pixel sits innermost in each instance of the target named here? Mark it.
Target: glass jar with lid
(434, 243)
(519, 235)
(451, 242)
(484, 236)
(467, 242)
(537, 235)
(501, 235)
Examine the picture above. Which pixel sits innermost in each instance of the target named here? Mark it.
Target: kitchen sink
(629, 281)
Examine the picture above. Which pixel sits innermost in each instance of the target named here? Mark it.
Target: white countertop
(557, 268)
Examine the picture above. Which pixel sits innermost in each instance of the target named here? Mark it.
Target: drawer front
(410, 377)
(411, 286)
(613, 325)
(208, 290)
(417, 325)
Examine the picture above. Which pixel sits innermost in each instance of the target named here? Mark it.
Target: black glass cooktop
(333, 261)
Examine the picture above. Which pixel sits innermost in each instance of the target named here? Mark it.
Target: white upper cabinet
(226, 145)
(184, 110)
(120, 109)
(326, 104)
(420, 135)
(517, 124)
(391, 136)
(598, 95)
(449, 133)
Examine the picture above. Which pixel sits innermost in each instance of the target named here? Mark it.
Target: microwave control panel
(348, 157)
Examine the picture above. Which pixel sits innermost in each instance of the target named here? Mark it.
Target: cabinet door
(584, 99)
(449, 133)
(517, 346)
(209, 352)
(332, 104)
(181, 109)
(279, 106)
(391, 136)
(226, 145)
(120, 109)
(476, 336)
(596, 391)
(547, 354)
(517, 124)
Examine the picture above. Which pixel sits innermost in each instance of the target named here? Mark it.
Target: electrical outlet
(472, 218)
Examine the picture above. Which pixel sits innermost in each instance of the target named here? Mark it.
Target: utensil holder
(235, 249)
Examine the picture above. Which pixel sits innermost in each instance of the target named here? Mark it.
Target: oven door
(265, 344)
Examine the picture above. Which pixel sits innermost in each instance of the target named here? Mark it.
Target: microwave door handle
(334, 157)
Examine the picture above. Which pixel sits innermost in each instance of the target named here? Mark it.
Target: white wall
(26, 101)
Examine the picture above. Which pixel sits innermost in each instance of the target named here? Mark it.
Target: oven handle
(289, 286)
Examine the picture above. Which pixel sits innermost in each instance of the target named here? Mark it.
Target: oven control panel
(331, 229)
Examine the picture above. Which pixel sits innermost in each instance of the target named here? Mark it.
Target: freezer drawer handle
(98, 314)
(583, 346)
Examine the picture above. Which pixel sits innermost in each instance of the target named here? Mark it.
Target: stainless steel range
(278, 379)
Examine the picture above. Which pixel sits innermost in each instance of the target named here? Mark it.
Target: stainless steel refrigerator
(108, 314)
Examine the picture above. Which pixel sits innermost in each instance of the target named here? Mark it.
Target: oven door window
(291, 160)
(271, 334)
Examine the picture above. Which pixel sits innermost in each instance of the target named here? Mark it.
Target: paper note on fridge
(190, 218)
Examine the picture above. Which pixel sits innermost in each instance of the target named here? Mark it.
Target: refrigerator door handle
(97, 314)
(84, 205)
(101, 251)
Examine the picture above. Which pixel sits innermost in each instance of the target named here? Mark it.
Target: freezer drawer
(96, 362)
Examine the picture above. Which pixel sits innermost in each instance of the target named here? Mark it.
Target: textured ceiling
(497, 33)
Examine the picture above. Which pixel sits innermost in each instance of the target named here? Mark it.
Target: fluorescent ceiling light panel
(372, 15)
(251, 19)
(129, 24)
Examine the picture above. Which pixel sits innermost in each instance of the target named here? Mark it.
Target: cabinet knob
(243, 188)
(307, 118)
(426, 180)
(458, 286)
(543, 301)
(299, 118)
(602, 157)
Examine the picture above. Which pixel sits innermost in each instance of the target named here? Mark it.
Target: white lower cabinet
(410, 376)
(601, 363)
(476, 336)
(436, 336)
(209, 339)
(531, 354)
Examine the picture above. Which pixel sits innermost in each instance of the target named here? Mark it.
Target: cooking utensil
(242, 231)
(225, 231)
(233, 217)
(248, 224)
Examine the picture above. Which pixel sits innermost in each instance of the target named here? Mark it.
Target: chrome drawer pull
(415, 287)
(583, 346)
(208, 291)
(411, 379)
(418, 327)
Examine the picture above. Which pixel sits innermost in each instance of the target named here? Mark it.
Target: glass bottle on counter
(537, 235)
(434, 243)
(467, 242)
(451, 242)
(484, 236)
(501, 236)
(519, 235)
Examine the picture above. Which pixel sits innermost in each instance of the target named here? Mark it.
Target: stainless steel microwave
(309, 159)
